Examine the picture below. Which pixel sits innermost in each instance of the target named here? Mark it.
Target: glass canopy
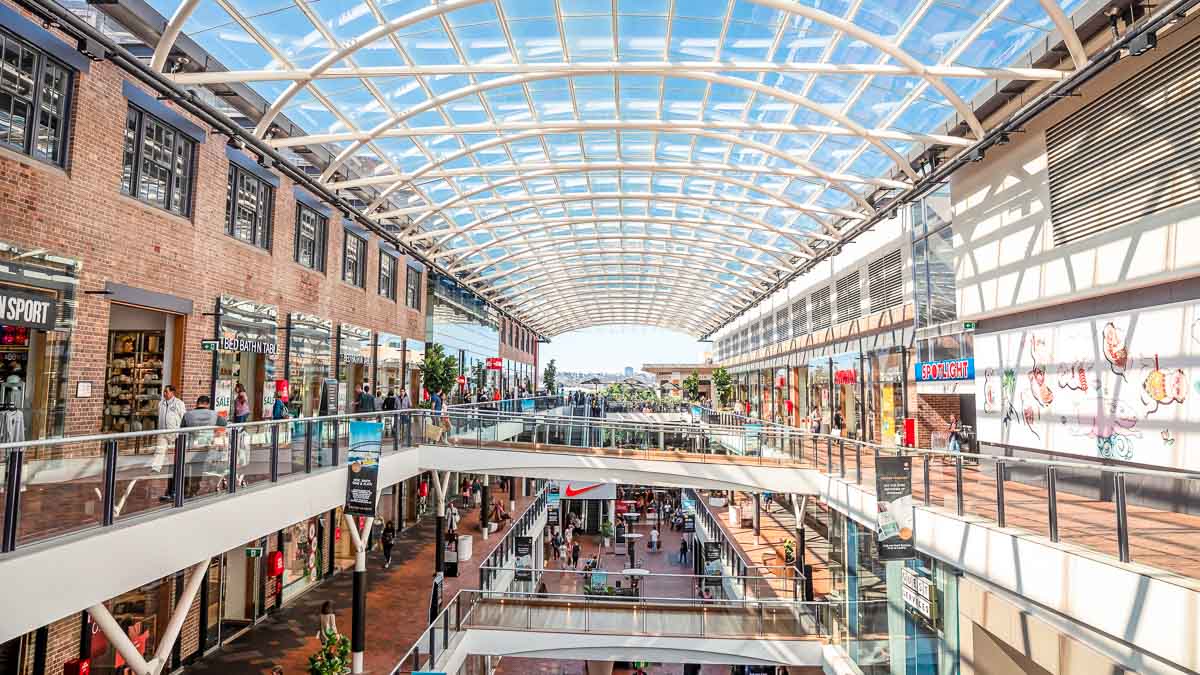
(590, 162)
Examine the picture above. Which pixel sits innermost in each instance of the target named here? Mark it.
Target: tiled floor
(397, 607)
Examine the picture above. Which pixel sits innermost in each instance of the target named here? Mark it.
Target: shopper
(170, 416)
(241, 404)
(328, 627)
(452, 520)
(953, 444)
(814, 416)
(683, 550)
(390, 401)
(654, 538)
(365, 401)
(388, 539)
(405, 404)
(839, 423)
(576, 551)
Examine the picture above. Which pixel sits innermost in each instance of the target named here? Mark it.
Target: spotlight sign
(944, 371)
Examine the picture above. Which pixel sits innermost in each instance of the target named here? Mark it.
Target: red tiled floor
(397, 606)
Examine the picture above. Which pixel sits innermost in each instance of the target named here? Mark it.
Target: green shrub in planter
(333, 657)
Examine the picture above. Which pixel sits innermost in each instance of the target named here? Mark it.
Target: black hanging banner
(689, 522)
(893, 492)
(524, 559)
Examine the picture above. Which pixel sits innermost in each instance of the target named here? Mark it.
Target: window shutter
(1131, 153)
(885, 281)
(821, 311)
(849, 297)
(800, 317)
(783, 324)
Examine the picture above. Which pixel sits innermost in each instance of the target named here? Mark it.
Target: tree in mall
(691, 386)
(439, 371)
(723, 384)
(548, 375)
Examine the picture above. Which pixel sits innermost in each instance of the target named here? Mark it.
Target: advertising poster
(223, 400)
(887, 415)
(712, 563)
(620, 533)
(362, 478)
(524, 559)
(329, 397)
(893, 490)
(689, 522)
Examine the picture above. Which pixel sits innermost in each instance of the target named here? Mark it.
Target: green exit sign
(968, 325)
(210, 345)
(254, 551)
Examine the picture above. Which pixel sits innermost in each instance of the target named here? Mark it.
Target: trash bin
(464, 547)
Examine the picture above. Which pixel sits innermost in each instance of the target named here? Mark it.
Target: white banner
(581, 489)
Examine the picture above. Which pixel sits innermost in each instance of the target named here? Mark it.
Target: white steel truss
(668, 162)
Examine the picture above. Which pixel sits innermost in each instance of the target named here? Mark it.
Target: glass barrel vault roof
(590, 162)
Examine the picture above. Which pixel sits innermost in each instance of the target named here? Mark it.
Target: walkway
(397, 603)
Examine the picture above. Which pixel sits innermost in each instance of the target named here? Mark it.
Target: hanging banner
(524, 559)
(362, 478)
(893, 491)
(712, 563)
(689, 522)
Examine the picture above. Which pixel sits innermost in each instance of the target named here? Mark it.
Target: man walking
(203, 416)
(683, 550)
(576, 550)
(170, 415)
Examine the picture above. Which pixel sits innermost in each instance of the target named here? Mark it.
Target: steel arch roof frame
(711, 250)
(815, 171)
(606, 167)
(575, 126)
(692, 265)
(877, 41)
(572, 318)
(735, 82)
(797, 238)
(550, 279)
(525, 297)
(601, 67)
(543, 225)
(626, 298)
(700, 314)
(1059, 18)
(598, 197)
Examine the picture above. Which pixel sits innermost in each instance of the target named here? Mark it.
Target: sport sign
(27, 309)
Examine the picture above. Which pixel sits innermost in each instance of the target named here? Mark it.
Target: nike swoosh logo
(576, 493)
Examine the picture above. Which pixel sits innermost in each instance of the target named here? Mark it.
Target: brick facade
(79, 212)
(933, 414)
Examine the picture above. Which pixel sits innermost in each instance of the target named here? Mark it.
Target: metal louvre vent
(755, 335)
(821, 311)
(1133, 152)
(849, 297)
(768, 330)
(800, 317)
(783, 324)
(885, 282)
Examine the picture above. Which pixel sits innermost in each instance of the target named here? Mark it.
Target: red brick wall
(79, 212)
(62, 645)
(933, 414)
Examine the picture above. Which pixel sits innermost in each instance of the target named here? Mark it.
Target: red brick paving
(397, 606)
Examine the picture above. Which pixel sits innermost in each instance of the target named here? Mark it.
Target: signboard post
(362, 480)
(523, 563)
(893, 490)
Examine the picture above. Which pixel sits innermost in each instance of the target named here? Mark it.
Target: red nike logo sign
(575, 493)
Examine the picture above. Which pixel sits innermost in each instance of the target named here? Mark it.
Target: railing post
(12, 498)
(334, 444)
(181, 446)
(1000, 494)
(1052, 497)
(235, 436)
(858, 463)
(925, 471)
(829, 456)
(958, 484)
(308, 446)
(1122, 517)
(842, 456)
(110, 482)
(275, 453)
(395, 432)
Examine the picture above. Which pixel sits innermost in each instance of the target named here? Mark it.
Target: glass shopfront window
(886, 374)
(820, 391)
(302, 557)
(414, 358)
(248, 346)
(355, 355)
(35, 345)
(308, 357)
(389, 364)
(847, 392)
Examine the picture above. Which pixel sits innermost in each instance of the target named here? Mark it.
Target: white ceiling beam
(1070, 37)
(691, 265)
(551, 281)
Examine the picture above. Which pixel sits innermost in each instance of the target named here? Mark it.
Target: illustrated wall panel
(1121, 386)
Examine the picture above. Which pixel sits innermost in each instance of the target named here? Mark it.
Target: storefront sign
(495, 363)
(354, 359)
(945, 371)
(362, 479)
(917, 592)
(845, 376)
(27, 309)
(568, 489)
(523, 563)
(236, 344)
(893, 490)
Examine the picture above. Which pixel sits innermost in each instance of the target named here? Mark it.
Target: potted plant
(333, 657)
(789, 552)
(606, 533)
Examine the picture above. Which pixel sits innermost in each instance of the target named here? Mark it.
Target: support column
(512, 495)
(441, 483)
(485, 506)
(358, 630)
(757, 518)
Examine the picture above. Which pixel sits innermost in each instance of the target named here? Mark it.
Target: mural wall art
(1122, 386)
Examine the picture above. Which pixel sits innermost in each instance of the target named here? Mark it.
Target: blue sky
(611, 348)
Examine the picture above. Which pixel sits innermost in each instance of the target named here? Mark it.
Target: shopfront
(887, 376)
(309, 354)
(414, 358)
(37, 315)
(145, 353)
(355, 358)
(248, 346)
(820, 390)
(389, 364)
(303, 559)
